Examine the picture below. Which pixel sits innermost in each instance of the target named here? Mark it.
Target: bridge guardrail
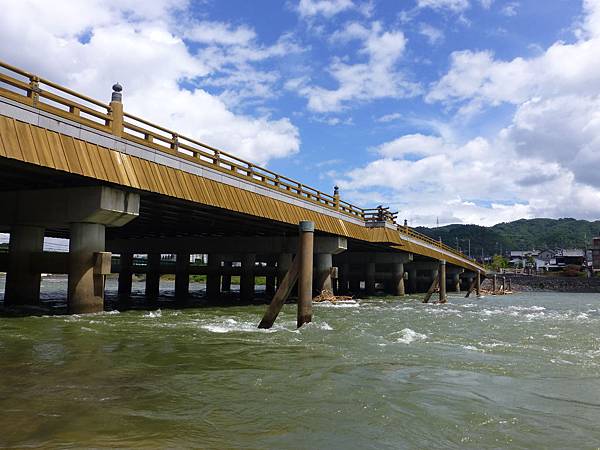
(32, 90)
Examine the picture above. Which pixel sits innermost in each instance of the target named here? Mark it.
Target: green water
(519, 371)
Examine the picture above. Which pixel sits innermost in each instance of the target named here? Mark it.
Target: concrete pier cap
(61, 206)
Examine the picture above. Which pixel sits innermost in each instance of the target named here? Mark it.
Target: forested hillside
(524, 234)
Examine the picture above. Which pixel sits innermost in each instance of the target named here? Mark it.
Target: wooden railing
(29, 89)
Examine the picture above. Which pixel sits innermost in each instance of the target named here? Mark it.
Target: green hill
(524, 234)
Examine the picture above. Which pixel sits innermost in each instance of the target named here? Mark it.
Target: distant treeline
(524, 234)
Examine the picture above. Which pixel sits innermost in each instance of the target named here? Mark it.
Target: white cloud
(389, 117)
(219, 33)
(326, 8)
(510, 9)
(376, 78)
(433, 34)
(486, 3)
(140, 44)
(541, 164)
(452, 5)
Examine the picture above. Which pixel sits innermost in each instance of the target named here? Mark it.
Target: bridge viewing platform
(116, 184)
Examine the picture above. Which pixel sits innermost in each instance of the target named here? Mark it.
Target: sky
(449, 111)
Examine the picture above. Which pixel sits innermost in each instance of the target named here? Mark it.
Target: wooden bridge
(75, 167)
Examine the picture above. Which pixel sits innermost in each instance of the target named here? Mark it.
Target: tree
(499, 262)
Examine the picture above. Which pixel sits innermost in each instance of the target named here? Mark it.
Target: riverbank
(544, 283)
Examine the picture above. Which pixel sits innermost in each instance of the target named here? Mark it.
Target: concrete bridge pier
(85, 286)
(342, 285)
(86, 212)
(182, 276)
(412, 280)
(370, 278)
(125, 275)
(152, 276)
(270, 278)
(247, 277)
(22, 284)
(225, 278)
(284, 262)
(213, 278)
(323, 281)
(398, 279)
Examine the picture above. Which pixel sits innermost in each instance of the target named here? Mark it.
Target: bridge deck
(67, 133)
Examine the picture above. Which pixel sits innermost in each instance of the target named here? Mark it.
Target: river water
(517, 371)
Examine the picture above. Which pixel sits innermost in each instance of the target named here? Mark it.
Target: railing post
(336, 197)
(116, 110)
(34, 90)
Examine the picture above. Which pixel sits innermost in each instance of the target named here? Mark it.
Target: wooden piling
(432, 289)
(471, 287)
(442, 281)
(283, 292)
(305, 275)
(494, 284)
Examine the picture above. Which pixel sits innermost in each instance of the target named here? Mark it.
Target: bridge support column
(87, 211)
(305, 276)
(456, 282)
(85, 288)
(22, 284)
(213, 280)
(442, 280)
(494, 283)
(225, 278)
(478, 284)
(270, 280)
(323, 276)
(125, 274)
(370, 279)
(152, 276)
(398, 279)
(247, 277)
(284, 262)
(412, 280)
(354, 285)
(343, 272)
(182, 276)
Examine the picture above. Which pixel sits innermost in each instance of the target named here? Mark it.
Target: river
(518, 371)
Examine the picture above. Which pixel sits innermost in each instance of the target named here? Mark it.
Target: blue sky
(457, 111)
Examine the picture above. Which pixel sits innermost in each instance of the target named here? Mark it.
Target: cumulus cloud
(143, 46)
(378, 77)
(433, 34)
(452, 5)
(326, 8)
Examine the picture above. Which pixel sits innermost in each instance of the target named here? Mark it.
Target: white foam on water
(230, 325)
(494, 344)
(408, 336)
(472, 348)
(340, 304)
(582, 316)
(153, 314)
(527, 308)
(551, 336)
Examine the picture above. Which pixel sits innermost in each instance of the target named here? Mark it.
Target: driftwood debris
(328, 296)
